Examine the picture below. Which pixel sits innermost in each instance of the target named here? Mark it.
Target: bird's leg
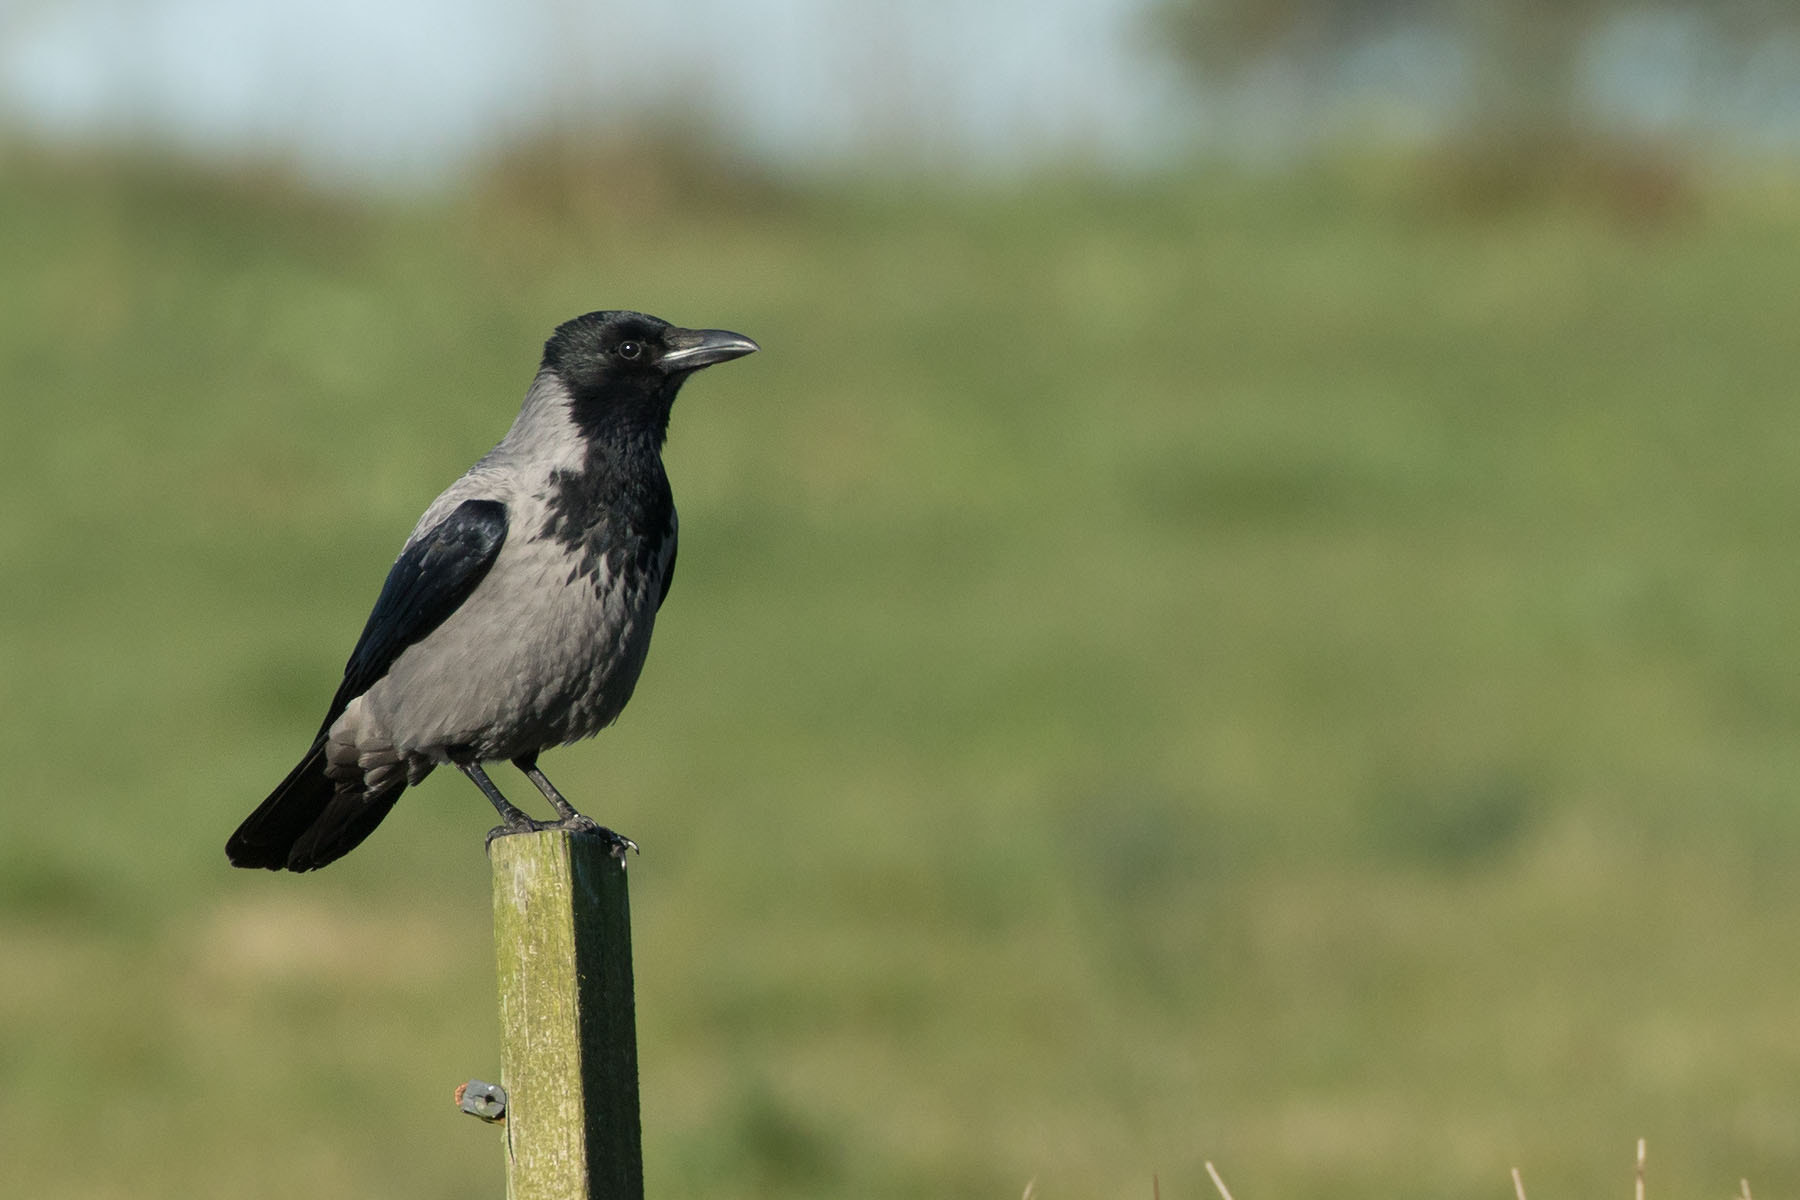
(528, 764)
(512, 818)
(571, 820)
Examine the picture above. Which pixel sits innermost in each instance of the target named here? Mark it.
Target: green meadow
(1276, 671)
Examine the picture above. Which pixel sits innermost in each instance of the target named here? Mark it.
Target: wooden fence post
(568, 1058)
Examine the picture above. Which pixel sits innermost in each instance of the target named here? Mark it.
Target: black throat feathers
(617, 506)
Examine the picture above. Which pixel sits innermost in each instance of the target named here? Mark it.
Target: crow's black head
(623, 369)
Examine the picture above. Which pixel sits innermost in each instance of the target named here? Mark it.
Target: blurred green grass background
(1261, 670)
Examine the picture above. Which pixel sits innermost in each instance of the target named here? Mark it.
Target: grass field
(1260, 672)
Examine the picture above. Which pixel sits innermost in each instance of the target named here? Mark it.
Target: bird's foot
(577, 823)
(618, 843)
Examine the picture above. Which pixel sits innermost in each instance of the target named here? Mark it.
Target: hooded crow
(518, 614)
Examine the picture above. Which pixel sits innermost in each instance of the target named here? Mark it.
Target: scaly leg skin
(573, 821)
(512, 818)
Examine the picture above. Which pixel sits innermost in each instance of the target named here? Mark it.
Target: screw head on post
(484, 1100)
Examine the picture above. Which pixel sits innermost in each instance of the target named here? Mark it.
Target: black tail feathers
(309, 820)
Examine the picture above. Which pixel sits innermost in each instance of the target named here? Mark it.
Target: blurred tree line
(1519, 115)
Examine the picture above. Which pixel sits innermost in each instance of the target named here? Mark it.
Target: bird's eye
(630, 349)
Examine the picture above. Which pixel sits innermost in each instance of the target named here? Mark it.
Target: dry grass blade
(1030, 1188)
(1640, 1170)
(1743, 1189)
(1217, 1182)
(1518, 1184)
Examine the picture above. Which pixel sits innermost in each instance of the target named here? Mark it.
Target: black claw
(507, 830)
(618, 841)
(587, 825)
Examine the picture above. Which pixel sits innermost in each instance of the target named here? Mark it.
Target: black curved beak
(691, 349)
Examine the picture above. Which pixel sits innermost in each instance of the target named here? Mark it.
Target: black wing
(668, 578)
(428, 582)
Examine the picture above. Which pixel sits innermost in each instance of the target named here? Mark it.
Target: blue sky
(409, 89)
(406, 91)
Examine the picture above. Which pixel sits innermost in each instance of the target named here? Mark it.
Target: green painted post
(568, 1058)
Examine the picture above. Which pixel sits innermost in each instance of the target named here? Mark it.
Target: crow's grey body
(518, 614)
(540, 654)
